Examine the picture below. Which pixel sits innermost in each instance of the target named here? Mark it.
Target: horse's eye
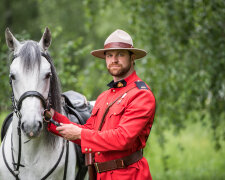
(48, 75)
(12, 76)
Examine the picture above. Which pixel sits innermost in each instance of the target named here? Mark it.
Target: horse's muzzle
(32, 130)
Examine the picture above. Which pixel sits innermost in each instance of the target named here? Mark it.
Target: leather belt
(118, 163)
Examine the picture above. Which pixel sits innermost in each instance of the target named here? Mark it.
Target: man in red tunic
(118, 139)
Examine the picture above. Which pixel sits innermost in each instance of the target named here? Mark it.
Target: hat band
(118, 45)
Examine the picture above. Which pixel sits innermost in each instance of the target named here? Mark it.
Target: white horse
(36, 154)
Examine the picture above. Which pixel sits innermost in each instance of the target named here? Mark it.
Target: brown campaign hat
(119, 39)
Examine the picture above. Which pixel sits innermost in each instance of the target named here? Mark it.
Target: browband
(42, 54)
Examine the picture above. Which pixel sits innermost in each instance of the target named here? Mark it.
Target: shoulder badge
(141, 85)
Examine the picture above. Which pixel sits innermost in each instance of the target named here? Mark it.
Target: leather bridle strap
(109, 106)
(66, 160)
(31, 94)
(42, 54)
(6, 163)
(56, 164)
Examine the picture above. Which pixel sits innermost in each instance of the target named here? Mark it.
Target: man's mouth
(114, 65)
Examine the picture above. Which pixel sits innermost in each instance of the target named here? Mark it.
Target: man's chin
(118, 72)
(113, 73)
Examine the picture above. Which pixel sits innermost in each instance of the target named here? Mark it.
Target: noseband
(32, 94)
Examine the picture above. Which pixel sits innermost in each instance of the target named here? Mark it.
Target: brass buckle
(47, 115)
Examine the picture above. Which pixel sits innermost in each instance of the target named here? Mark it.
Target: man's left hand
(70, 131)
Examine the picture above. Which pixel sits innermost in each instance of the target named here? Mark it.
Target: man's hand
(69, 131)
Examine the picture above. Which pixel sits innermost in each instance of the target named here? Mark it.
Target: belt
(118, 163)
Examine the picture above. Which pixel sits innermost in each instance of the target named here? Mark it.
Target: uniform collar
(123, 82)
(118, 84)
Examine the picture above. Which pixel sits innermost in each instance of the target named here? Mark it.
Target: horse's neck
(34, 149)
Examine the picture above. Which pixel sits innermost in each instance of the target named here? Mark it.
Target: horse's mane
(31, 55)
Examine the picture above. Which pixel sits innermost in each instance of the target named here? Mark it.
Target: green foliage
(4, 74)
(187, 156)
(185, 41)
(187, 59)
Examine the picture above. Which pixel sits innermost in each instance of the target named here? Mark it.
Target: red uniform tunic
(125, 131)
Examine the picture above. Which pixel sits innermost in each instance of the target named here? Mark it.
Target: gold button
(90, 149)
(86, 149)
(114, 90)
(114, 113)
(99, 153)
(107, 103)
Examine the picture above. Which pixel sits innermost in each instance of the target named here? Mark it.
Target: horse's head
(30, 74)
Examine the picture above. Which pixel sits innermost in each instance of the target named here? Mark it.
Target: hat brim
(100, 53)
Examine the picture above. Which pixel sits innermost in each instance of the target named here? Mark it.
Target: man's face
(119, 62)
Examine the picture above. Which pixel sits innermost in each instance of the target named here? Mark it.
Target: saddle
(76, 106)
(78, 110)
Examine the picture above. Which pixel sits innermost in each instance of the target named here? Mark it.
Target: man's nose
(115, 59)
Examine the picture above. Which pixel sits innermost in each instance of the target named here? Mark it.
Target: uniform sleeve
(63, 119)
(136, 116)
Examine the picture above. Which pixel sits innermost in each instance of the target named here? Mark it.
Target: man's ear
(133, 56)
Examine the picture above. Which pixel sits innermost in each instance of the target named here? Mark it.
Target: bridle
(18, 104)
(16, 108)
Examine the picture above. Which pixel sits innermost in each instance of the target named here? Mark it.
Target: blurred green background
(185, 68)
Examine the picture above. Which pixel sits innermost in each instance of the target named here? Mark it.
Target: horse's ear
(11, 41)
(45, 41)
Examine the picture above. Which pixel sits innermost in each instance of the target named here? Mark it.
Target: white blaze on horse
(35, 154)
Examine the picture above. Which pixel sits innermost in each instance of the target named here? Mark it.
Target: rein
(16, 108)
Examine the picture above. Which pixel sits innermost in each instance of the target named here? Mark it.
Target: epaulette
(141, 85)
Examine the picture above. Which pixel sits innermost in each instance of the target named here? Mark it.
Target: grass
(189, 155)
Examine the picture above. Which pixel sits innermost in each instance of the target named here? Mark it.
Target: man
(121, 119)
